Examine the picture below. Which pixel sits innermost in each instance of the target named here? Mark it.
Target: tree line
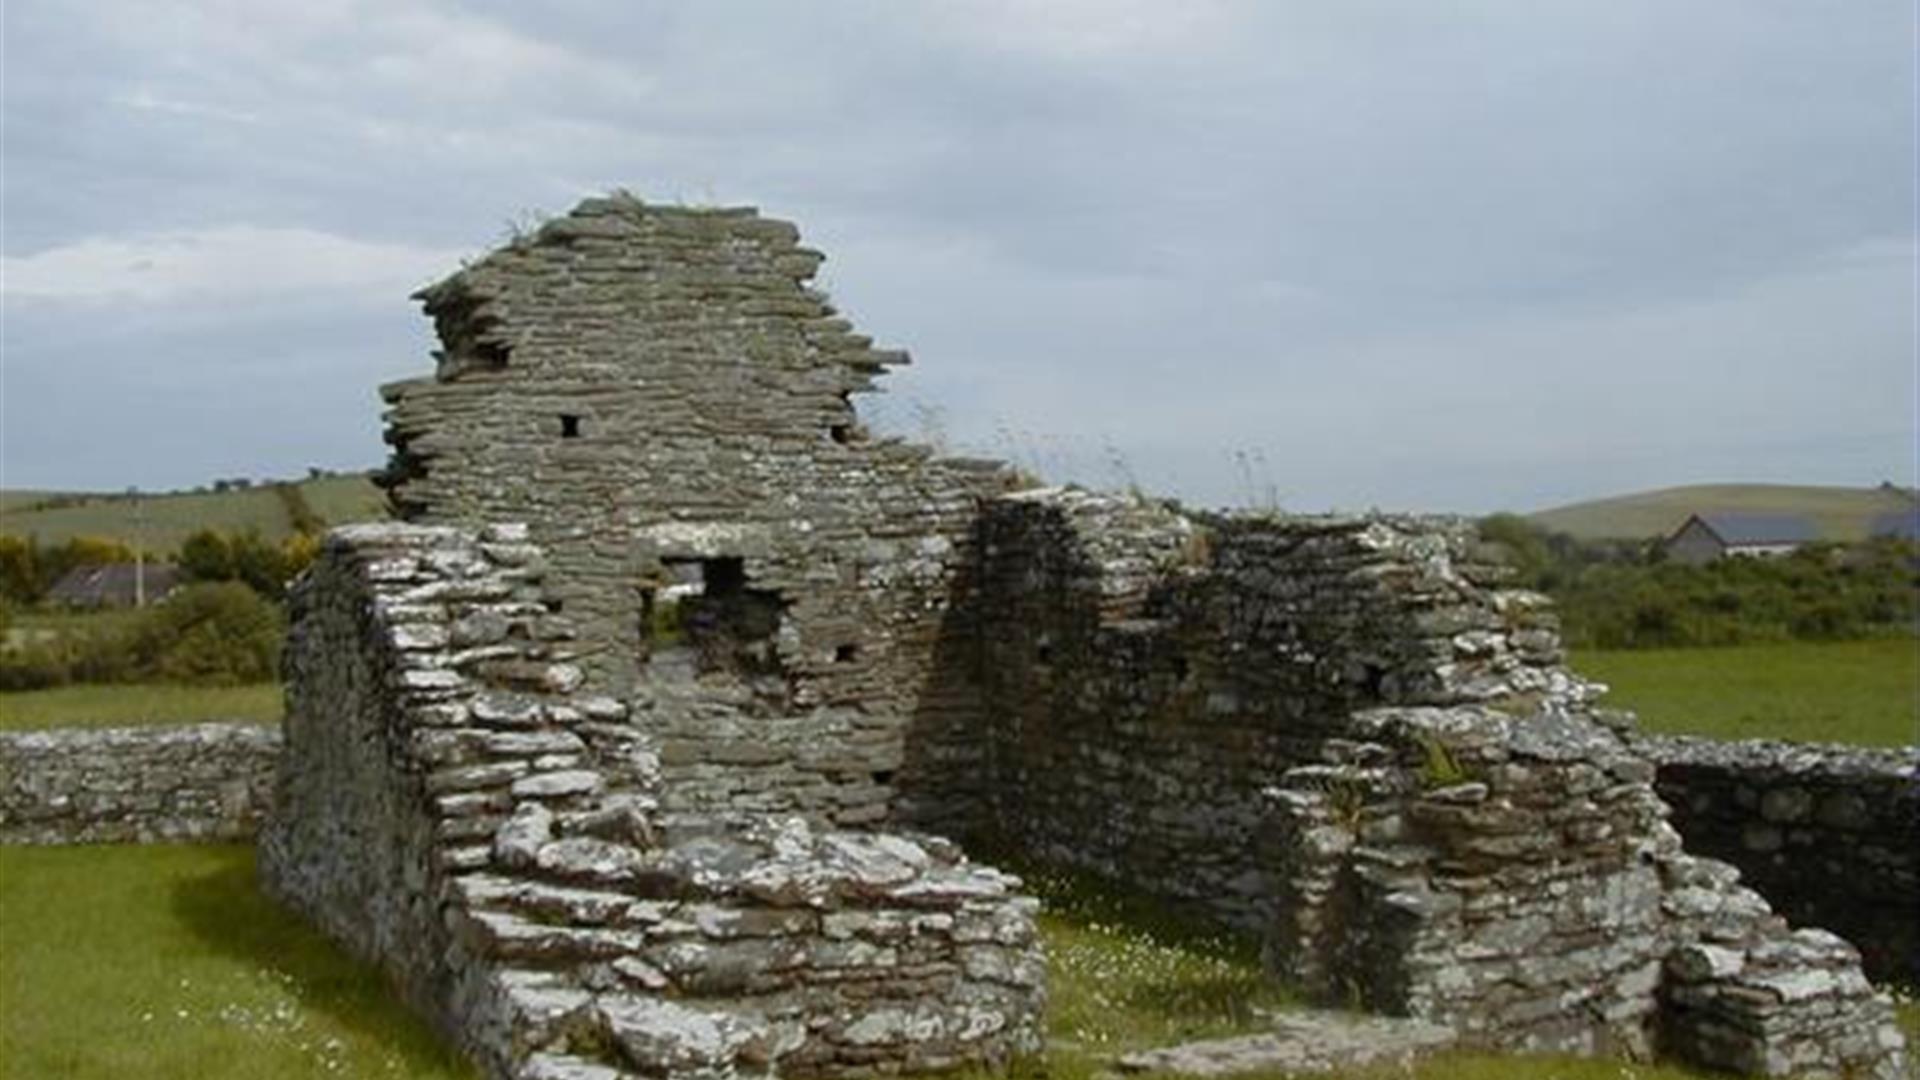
(1628, 595)
(222, 626)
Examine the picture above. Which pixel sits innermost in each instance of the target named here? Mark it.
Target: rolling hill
(1839, 513)
(162, 520)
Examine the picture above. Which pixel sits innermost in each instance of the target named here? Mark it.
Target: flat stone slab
(1302, 1042)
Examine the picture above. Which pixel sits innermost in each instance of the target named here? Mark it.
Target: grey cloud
(1332, 233)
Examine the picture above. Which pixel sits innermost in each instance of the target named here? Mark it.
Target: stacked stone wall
(197, 782)
(1516, 879)
(1147, 675)
(1344, 731)
(455, 807)
(653, 389)
(1830, 835)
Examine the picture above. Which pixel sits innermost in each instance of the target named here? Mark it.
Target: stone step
(1302, 1042)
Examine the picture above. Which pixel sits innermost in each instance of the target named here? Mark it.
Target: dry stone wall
(1829, 834)
(1347, 734)
(454, 806)
(1516, 879)
(594, 775)
(135, 785)
(1147, 675)
(661, 396)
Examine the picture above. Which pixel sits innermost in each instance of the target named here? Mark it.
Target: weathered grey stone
(1301, 1044)
(197, 782)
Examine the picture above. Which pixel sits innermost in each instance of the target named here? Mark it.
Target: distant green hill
(172, 517)
(1840, 513)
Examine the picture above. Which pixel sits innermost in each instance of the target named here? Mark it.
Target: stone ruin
(642, 745)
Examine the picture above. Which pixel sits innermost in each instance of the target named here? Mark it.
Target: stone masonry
(455, 806)
(135, 785)
(656, 783)
(1829, 834)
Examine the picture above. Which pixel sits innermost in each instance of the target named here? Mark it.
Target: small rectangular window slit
(569, 426)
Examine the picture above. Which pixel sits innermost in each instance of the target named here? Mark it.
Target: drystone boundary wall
(1830, 835)
(135, 785)
(456, 807)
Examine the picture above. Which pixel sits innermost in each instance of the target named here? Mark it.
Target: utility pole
(139, 549)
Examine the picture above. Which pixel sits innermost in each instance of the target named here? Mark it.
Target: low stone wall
(1830, 835)
(135, 785)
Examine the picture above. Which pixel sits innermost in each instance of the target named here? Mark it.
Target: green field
(171, 518)
(166, 961)
(1839, 513)
(1863, 692)
(117, 705)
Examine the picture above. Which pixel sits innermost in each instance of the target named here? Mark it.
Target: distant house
(112, 585)
(1706, 537)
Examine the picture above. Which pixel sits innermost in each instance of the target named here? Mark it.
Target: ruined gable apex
(713, 266)
(629, 374)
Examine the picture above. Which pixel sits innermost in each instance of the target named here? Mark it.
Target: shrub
(1616, 596)
(221, 633)
(210, 634)
(210, 555)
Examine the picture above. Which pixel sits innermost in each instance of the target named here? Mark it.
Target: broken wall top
(653, 387)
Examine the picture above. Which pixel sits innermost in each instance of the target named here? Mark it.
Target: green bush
(1616, 596)
(213, 634)
(209, 634)
(266, 567)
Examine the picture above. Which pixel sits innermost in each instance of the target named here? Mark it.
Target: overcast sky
(1459, 256)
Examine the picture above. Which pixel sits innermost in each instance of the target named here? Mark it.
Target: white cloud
(145, 100)
(1090, 29)
(226, 262)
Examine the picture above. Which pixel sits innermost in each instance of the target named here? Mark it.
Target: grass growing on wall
(166, 961)
(123, 705)
(1861, 692)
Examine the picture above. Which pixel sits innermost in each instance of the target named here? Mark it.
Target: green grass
(1861, 692)
(1839, 513)
(121, 705)
(1125, 973)
(172, 517)
(41, 625)
(166, 961)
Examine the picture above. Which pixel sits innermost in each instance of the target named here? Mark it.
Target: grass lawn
(165, 961)
(1862, 692)
(121, 705)
(1124, 974)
